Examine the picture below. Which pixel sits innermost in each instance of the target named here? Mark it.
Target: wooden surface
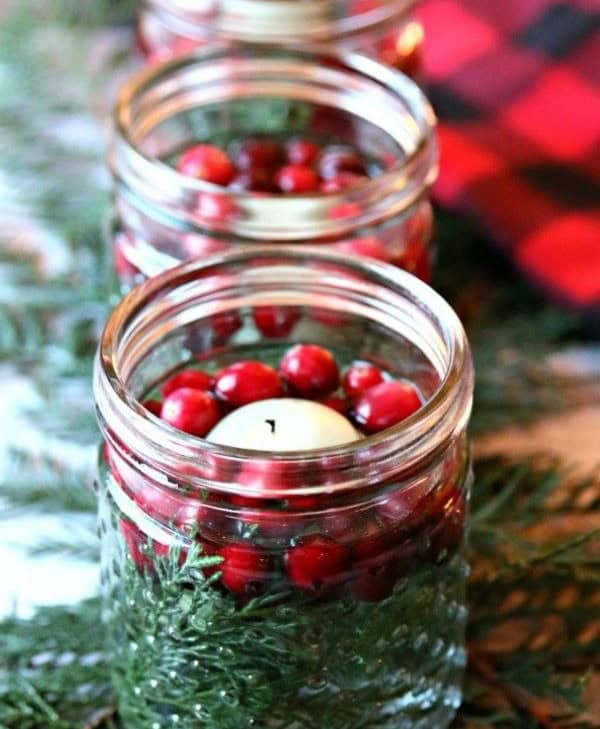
(573, 436)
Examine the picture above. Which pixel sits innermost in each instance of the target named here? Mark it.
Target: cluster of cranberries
(368, 552)
(262, 165)
(194, 401)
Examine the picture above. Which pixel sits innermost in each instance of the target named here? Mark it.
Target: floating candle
(283, 424)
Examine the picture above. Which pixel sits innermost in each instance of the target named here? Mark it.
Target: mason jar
(301, 588)
(234, 96)
(384, 29)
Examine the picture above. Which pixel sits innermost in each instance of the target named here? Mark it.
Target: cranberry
(416, 259)
(198, 246)
(375, 540)
(337, 403)
(448, 532)
(405, 509)
(245, 568)
(208, 163)
(301, 151)
(336, 159)
(257, 154)
(225, 325)
(153, 406)
(141, 548)
(369, 247)
(193, 411)
(310, 371)
(317, 562)
(215, 208)
(375, 583)
(253, 180)
(342, 181)
(247, 381)
(263, 476)
(360, 377)
(384, 405)
(297, 179)
(345, 210)
(276, 321)
(303, 503)
(194, 379)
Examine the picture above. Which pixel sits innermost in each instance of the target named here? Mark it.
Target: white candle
(283, 424)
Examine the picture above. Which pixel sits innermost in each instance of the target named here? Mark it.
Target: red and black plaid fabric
(516, 84)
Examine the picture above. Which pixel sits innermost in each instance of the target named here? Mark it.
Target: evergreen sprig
(547, 585)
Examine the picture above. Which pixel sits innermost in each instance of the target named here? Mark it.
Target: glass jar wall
(298, 589)
(375, 159)
(384, 29)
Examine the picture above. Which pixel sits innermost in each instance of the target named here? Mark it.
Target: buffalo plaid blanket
(516, 84)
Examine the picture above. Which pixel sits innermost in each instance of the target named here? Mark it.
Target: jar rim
(151, 184)
(416, 438)
(182, 17)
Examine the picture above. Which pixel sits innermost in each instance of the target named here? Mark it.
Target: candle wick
(272, 424)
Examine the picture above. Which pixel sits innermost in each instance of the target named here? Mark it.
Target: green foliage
(185, 649)
(39, 687)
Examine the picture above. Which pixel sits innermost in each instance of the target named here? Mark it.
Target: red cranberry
(337, 403)
(253, 180)
(416, 259)
(449, 518)
(375, 540)
(225, 325)
(405, 508)
(263, 476)
(194, 379)
(153, 406)
(245, 568)
(303, 503)
(369, 247)
(245, 382)
(302, 151)
(360, 377)
(317, 562)
(215, 208)
(310, 371)
(141, 548)
(342, 181)
(198, 246)
(345, 210)
(257, 154)
(193, 411)
(297, 179)
(208, 163)
(384, 405)
(341, 524)
(276, 321)
(336, 159)
(373, 584)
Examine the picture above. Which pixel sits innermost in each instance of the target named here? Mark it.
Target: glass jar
(198, 635)
(384, 29)
(234, 93)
